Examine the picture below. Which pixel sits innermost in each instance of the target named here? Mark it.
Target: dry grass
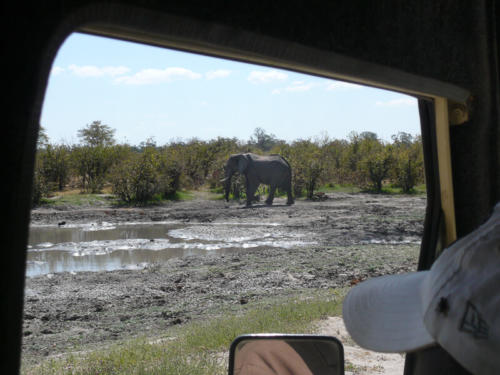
(196, 347)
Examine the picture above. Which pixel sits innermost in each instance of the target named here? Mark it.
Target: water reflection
(96, 232)
(41, 263)
(106, 247)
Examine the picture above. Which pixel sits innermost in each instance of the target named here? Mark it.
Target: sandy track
(360, 361)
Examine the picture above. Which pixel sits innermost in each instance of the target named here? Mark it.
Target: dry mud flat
(357, 236)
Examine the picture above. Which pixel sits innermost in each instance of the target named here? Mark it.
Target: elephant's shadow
(263, 206)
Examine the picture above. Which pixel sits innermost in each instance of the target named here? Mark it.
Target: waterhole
(106, 246)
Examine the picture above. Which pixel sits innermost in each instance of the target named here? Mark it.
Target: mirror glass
(286, 355)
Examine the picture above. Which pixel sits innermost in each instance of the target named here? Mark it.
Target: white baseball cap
(455, 304)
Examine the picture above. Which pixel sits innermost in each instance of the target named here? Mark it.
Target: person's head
(455, 304)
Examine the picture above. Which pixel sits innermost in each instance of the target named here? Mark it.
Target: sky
(149, 92)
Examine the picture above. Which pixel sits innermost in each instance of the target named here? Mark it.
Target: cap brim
(385, 314)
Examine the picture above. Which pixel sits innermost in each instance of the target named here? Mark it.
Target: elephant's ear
(242, 163)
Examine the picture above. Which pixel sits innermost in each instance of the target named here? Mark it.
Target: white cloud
(97, 71)
(397, 102)
(296, 86)
(220, 73)
(152, 76)
(299, 86)
(266, 76)
(56, 70)
(335, 85)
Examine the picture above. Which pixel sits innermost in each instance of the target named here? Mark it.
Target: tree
(169, 176)
(353, 154)
(334, 156)
(97, 134)
(55, 165)
(403, 139)
(368, 135)
(192, 158)
(43, 138)
(135, 179)
(141, 176)
(375, 163)
(148, 143)
(408, 168)
(351, 158)
(218, 150)
(92, 165)
(263, 141)
(40, 186)
(95, 156)
(308, 166)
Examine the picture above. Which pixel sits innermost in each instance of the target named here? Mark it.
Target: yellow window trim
(445, 171)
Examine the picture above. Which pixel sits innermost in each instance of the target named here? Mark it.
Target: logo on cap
(473, 323)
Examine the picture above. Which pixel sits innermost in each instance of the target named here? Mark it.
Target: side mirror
(286, 355)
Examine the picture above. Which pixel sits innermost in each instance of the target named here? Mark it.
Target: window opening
(131, 235)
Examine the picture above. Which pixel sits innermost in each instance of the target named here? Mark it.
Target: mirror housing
(286, 355)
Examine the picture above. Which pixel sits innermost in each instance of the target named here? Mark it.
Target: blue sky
(143, 91)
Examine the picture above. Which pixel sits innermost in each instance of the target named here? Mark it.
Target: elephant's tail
(286, 162)
(288, 182)
(289, 177)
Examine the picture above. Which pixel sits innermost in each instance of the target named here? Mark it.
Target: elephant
(272, 170)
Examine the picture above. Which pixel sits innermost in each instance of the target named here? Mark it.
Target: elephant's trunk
(227, 187)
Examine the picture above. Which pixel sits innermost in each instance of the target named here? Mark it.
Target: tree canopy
(139, 173)
(97, 134)
(262, 140)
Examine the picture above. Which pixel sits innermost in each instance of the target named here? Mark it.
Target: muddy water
(105, 246)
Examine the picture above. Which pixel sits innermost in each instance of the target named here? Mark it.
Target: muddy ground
(358, 236)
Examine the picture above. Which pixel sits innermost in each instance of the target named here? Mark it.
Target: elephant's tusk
(223, 180)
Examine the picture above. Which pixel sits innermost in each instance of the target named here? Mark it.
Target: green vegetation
(332, 188)
(77, 199)
(149, 173)
(181, 195)
(142, 177)
(197, 348)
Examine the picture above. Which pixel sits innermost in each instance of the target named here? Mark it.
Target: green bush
(92, 164)
(146, 172)
(375, 161)
(408, 166)
(40, 187)
(169, 173)
(136, 179)
(143, 176)
(55, 165)
(309, 165)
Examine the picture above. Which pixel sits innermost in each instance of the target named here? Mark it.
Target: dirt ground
(358, 236)
(360, 361)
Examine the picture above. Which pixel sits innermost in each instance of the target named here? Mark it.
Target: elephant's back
(276, 163)
(273, 159)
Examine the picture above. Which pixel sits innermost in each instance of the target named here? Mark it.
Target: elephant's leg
(288, 189)
(251, 189)
(270, 198)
